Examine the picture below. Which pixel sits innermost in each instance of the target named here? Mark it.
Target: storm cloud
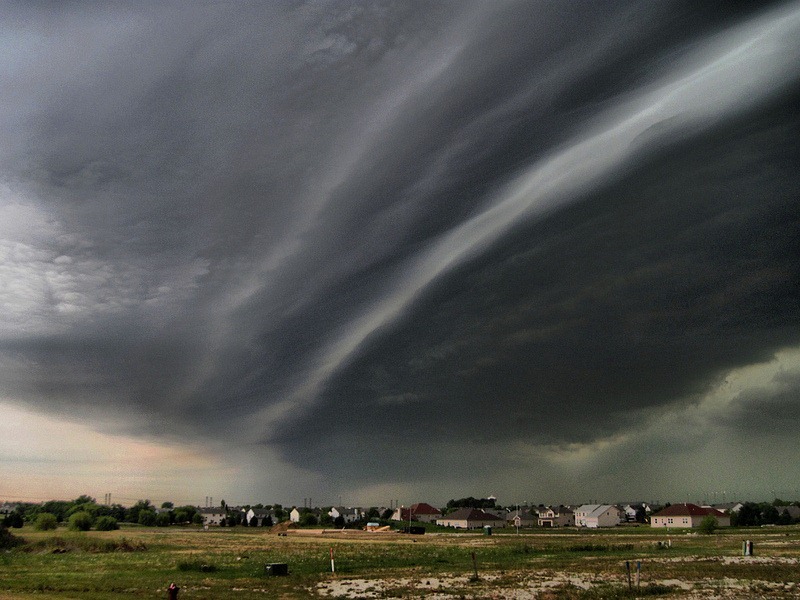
(406, 248)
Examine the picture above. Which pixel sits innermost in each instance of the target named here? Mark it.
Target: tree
(106, 523)
(132, 515)
(46, 521)
(162, 519)
(14, 519)
(708, 524)
(168, 505)
(267, 522)
(308, 519)
(339, 521)
(80, 521)
(147, 518)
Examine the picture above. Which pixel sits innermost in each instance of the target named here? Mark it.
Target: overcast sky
(374, 251)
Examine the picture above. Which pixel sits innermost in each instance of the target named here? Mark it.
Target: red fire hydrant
(172, 591)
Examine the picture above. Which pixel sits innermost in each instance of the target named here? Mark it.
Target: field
(230, 563)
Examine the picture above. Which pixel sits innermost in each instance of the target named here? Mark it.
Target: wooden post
(638, 573)
(475, 565)
(628, 569)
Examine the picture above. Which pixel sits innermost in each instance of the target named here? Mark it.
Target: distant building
(594, 516)
(212, 515)
(521, 518)
(688, 515)
(350, 515)
(555, 516)
(421, 511)
(470, 518)
(256, 517)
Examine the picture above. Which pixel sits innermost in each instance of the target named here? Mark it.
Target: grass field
(230, 563)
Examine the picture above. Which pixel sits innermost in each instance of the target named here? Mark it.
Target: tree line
(84, 513)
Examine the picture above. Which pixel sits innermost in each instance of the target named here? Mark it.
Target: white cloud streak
(740, 68)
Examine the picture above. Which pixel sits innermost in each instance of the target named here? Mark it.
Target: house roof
(211, 510)
(594, 510)
(471, 514)
(692, 510)
(423, 508)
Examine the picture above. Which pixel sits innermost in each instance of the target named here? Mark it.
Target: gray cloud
(352, 231)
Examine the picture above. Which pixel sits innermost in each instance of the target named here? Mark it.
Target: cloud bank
(392, 249)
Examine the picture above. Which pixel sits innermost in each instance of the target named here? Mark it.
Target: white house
(212, 515)
(597, 515)
(350, 515)
(257, 516)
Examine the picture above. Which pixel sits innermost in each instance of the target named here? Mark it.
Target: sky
(371, 252)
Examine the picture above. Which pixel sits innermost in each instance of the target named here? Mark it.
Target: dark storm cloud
(481, 223)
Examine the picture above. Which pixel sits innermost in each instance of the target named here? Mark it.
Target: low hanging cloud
(346, 236)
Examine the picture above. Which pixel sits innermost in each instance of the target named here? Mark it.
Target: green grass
(222, 563)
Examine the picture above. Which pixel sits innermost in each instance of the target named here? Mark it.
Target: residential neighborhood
(463, 514)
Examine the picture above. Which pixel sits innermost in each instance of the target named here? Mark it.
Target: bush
(162, 520)
(147, 518)
(46, 521)
(80, 521)
(708, 525)
(14, 520)
(106, 524)
(8, 540)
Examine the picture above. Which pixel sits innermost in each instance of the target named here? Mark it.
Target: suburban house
(556, 516)
(256, 517)
(636, 512)
(521, 518)
(421, 511)
(598, 515)
(212, 515)
(688, 515)
(350, 515)
(470, 518)
(729, 507)
(7, 509)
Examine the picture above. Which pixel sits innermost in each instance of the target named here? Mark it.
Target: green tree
(14, 519)
(162, 519)
(132, 514)
(80, 521)
(308, 519)
(106, 523)
(147, 518)
(168, 505)
(46, 521)
(708, 525)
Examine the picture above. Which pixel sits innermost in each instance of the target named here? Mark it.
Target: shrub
(708, 525)
(80, 521)
(147, 518)
(106, 524)
(162, 520)
(46, 521)
(8, 540)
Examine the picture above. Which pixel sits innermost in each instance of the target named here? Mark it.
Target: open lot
(230, 563)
